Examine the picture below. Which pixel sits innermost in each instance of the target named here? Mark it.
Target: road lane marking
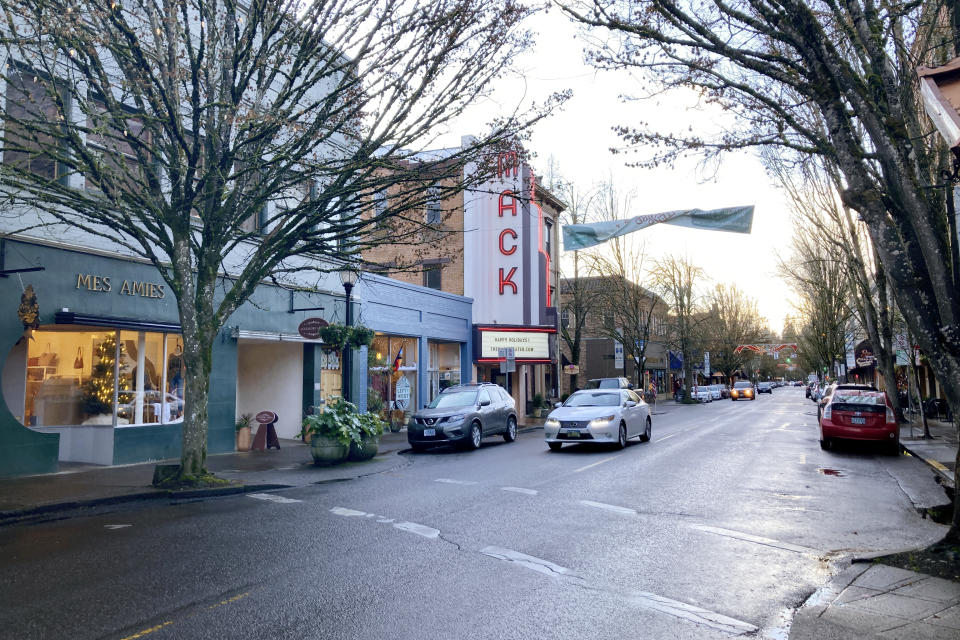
(530, 562)
(270, 497)
(666, 437)
(783, 427)
(746, 537)
(114, 527)
(689, 612)
(609, 507)
(140, 634)
(229, 600)
(449, 481)
(529, 492)
(419, 529)
(594, 464)
(410, 527)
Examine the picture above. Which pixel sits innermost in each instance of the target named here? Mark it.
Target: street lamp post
(348, 277)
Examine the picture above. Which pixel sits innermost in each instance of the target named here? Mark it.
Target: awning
(69, 317)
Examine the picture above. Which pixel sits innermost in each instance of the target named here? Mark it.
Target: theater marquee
(528, 344)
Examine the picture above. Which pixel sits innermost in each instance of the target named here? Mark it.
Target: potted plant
(335, 336)
(360, 336)
(243, 425)
(331, 432)
(370, 428)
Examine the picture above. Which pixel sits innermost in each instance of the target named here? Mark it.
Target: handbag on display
(48, 358)
(78, 361)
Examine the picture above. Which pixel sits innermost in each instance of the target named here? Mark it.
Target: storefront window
(93, 376)
(392, 358)
(444, 366)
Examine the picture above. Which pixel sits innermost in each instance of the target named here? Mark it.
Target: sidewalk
(940, 452)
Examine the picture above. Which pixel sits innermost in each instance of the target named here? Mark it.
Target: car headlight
(457, 418)
(601, 422)
(552, 423)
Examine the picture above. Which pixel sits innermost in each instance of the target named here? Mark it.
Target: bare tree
(854, 63)
(250, 138)
(732, 320)
(620, 268)
(676, 280)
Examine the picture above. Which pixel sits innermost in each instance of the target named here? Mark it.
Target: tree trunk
(197, 358)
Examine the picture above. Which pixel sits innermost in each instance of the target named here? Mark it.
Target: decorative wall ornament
(29, 311)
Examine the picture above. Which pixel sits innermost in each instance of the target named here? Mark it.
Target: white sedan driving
(598, 415)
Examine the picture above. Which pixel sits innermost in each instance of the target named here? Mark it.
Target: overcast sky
(579, 139)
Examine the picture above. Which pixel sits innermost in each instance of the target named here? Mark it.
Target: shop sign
(571, 369)
(618, 355)
(103, 284)
(266, 417)
(402, 396)
(310, 328)
(526, 344)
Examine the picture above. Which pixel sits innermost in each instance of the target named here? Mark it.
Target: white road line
(536, 564)
(746, 537)
(449, 481)
(666, 437)
(689, 612)
(340, 511)
(529, 492)
(594, 464)
(270, 497)
(114, 527)
(419, 529)
(609, 507)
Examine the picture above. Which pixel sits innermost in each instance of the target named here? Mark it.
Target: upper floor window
(30, 109)
(114, 142)
(548, 237)
(432, 276)
(434, 207)
(565, 317)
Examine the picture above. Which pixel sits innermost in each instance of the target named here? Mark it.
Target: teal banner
(583, 236)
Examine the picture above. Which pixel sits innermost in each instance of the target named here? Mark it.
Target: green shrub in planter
(337, 421)
(360, 336)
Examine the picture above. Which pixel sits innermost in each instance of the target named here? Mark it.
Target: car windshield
(742, 385)
(593, 400)
(449, 399)
(605, 383)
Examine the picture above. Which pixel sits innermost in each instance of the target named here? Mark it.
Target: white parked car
(701, 393)
(598, 415)
(715, 392)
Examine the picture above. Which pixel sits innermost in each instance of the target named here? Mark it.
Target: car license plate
(429, 432)
(573, 434)
(858, 421)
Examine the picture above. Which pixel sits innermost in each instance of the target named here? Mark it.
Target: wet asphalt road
(719, 527)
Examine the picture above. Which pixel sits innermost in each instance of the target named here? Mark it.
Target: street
(720, 526)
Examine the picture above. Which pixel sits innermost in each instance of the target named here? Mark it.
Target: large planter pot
(327, 451)
(243, 439)
(365, 450)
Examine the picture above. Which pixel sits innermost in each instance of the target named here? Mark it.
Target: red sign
(266, 417)
(310, 328)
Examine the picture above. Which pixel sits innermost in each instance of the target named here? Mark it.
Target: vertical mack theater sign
(506, 265)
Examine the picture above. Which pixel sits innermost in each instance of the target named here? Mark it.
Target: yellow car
(743, 389)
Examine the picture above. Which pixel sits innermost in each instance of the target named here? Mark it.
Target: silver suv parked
(463, 415)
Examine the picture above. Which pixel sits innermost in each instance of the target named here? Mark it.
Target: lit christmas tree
(98, 390)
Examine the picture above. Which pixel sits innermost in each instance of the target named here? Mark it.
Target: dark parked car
(463, 415)
(609, 383)
(764, 387)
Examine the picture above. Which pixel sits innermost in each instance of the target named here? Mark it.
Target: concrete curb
(20, 515)
(940, 470)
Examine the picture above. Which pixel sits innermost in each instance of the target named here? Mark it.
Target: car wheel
(645, 436)
(554, 446)
(511, 433)
(622, 437)
(893, 449)
(474, 437)
(826, 443)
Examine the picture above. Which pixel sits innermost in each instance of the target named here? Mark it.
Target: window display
(96, 376)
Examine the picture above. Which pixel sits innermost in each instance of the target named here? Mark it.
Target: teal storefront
(100, 380)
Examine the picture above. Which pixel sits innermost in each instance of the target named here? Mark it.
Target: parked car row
(464, 414)
(856, 412)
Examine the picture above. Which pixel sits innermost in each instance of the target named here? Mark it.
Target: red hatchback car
(858, 414)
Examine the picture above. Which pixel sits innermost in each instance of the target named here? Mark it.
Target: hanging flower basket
(361, 336)
(335, 336)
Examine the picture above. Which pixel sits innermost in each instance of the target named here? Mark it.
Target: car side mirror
(557, 405)
(629, 403)
(484, 403)
(630, 386)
